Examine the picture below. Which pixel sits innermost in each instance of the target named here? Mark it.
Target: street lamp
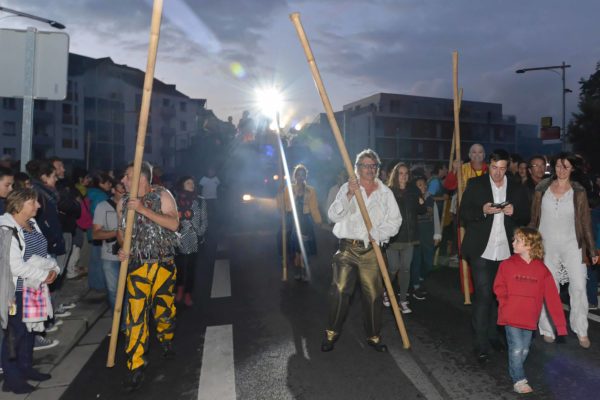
(50, 22)
(553, 68)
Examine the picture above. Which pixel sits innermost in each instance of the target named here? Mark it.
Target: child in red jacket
(523, 283)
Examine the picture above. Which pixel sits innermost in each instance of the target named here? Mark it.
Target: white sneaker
(522, 387)
(61, 313)
(67, 306)
(404, 307)
(53, 327)
(386, 299)
(43, 343)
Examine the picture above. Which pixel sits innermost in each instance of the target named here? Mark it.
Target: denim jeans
(111, 276)
(592, 284)
(518, 341)
(95, 274)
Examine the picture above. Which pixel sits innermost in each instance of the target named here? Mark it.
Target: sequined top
(149, 240)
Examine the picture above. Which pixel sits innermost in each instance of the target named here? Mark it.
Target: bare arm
(100, 234)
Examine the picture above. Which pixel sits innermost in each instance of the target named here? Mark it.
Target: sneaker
(592, 307)
(584, 342)
(43, 343)
(386, 299)
(522, 387)
(419, 294)
(61, 312)
(53, 326)
(404, 307)
(67, 306)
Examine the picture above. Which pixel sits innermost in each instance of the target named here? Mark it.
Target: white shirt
(209, 187)
(383, 212)
(497, 248)
(106, 215)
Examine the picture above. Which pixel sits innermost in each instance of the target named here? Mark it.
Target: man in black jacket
(492, 207)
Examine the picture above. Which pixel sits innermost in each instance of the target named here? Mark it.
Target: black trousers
(186, 271)
(17, 369)
(485, 306)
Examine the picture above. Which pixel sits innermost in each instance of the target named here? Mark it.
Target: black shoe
(134, 380)
(419, 294)
(20, 388)
(327, 345)
(167, 350)
(35, 375)
(483, 358)
(379, 347)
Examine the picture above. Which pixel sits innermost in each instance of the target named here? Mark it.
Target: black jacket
(408, 203)
(479, 226)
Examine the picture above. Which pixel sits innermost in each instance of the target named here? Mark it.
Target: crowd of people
(53, 228)
(529, 227)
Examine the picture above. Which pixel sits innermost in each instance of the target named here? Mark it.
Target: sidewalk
(91, 305)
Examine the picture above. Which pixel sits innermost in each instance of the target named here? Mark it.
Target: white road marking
(415, 374)
(221, 284)
(217, 376)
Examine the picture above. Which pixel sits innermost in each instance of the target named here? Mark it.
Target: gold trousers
(149, 289)
(354, 262)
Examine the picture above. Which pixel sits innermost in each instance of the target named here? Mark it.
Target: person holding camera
(105, 228)
(492, 207)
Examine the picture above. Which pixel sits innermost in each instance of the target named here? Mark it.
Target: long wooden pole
(461, 188)
(283, 218)
(137, 165)
(445, 207)
(295, 17)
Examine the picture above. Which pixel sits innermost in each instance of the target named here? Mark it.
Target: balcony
(167, 132)
(43, 117)
(168, 112)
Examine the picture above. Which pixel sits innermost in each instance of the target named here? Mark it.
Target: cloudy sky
(222, 50)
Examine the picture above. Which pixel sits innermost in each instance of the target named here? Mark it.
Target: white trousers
(569, 255)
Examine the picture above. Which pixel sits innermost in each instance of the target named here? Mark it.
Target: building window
(40, 105)
(69, 138)
(72, 94)
(183, 125)
(183, 106)
(166, 102)
(9, 128)
(9, 151)
(69, 114)
(9, 104)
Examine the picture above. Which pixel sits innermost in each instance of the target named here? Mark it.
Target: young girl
(523, 283)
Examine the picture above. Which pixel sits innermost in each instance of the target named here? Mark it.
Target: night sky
(222, 50)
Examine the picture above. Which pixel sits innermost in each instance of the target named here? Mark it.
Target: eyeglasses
(368, 166)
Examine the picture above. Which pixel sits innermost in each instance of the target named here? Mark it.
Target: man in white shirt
(210, 184)
(492, 207)
(356, 259)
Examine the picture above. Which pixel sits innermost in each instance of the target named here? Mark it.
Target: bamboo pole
(445, 208)
(283, 219)
(295, 17)
(137, 165)
(460, 189)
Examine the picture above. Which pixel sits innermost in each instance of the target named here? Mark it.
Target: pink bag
(85, 220)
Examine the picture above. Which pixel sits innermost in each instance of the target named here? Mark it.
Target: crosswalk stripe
(221, 284)
(217, 375)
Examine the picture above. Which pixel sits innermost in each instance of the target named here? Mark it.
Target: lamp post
(553, 68)
(50, 22)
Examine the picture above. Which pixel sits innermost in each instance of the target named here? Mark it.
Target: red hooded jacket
(521, 289)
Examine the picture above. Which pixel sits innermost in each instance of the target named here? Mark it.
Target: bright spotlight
(247, 197)
(273, 126)
(298, 126)
(270, 101)
(275, 177)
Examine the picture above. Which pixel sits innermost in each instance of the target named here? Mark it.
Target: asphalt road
(259, 338)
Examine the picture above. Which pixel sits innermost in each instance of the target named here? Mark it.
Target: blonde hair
(532, 238)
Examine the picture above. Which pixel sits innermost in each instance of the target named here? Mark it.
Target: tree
(584, 128)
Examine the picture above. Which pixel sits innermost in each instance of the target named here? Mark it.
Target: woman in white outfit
(561, 212)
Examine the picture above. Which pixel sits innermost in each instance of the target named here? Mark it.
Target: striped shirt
(35, 244)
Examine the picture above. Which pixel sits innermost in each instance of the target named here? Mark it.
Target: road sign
(50, 62)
